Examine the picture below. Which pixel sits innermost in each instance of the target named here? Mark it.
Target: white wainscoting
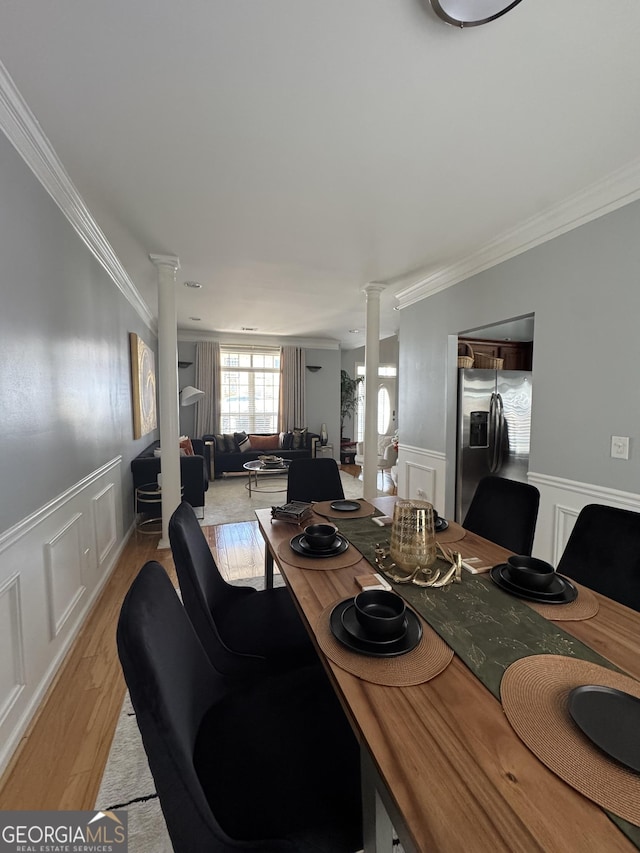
(560, 504)
(421, 475)
(53, 564)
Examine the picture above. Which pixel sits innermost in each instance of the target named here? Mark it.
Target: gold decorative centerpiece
(411, 555)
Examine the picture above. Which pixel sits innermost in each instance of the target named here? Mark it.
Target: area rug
(227, 499)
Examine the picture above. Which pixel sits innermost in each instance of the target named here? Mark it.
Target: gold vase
(413, 537)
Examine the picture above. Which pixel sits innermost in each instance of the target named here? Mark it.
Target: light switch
(619, 447)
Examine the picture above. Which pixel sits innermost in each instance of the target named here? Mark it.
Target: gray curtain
(207, 418)
(292, 402)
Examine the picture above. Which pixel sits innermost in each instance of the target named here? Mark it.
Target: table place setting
(551, 595)
(376, 637)
(341, 509)
(581, 720)
(319, 546)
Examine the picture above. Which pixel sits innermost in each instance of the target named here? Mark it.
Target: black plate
(315, 554)
(355, 629)
(610, 719)
(345, 506)
(406, 643)
(441, 524)
(561, 591)
(304, 544)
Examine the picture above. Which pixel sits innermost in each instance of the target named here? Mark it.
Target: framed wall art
(143, 386)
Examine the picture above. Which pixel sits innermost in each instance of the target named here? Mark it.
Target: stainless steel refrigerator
(494, 428)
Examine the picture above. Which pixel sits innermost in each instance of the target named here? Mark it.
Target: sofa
(194, 474)
(227, 454)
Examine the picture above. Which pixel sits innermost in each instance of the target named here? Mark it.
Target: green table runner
(487, 628)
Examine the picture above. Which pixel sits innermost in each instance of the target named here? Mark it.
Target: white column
(168, 388)
(371, 363)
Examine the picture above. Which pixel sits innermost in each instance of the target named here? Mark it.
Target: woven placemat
(429, 658)
(585, 606)
(324, 508)
(349, 558)
(454, 533)
(534, 693)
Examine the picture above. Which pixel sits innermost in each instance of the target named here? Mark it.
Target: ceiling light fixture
(354, 331)
(471, 13)
(249, 328)
(195, 319)
(195, 284)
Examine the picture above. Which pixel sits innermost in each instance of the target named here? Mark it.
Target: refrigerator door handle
(493, 434)
(500, 432)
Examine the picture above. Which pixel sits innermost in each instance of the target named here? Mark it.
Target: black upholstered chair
(266, 767)
(603, 553)
(243, 630)
(505, 512)
(314, 480)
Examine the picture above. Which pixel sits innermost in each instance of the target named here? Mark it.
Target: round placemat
(429, 658)
(454, 533)
(324, 508)
(349, 558)
(535, 696)
(584, 606)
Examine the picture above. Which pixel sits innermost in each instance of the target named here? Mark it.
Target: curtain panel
(292, 388)
(207, 418)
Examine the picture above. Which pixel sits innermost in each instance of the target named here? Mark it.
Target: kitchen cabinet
(517, 355)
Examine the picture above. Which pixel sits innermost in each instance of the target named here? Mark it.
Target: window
(249, 389)
(386, 390)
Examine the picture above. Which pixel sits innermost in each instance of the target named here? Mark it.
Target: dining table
(450, 760)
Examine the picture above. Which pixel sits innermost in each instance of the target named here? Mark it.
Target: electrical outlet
(619, 447)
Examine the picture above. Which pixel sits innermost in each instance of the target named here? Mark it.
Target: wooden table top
(457, 776)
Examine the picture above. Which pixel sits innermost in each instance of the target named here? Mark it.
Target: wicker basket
(465, 360)
(484, 360)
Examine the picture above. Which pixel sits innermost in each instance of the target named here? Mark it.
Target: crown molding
(22, 129)
(616, 190)
(190, 336)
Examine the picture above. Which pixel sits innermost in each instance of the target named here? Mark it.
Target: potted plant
(348, 397)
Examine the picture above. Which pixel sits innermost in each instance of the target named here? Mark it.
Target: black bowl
(530, 572)
(381, 613)
(320, 536)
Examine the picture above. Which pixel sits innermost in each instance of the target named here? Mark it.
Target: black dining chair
(244, 631)
(264, 767)
(505, 512)
(603, 553)
(314, 480)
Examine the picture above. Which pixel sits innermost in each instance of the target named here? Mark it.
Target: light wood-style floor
(61, 758)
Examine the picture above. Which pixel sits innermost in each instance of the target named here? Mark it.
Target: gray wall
(584, 291)
(64, 353)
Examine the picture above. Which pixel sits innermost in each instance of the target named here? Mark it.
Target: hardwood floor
(61, 757)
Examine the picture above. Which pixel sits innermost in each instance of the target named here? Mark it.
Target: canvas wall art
(143, 386)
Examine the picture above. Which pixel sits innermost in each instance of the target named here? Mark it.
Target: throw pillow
(221, 444)
(299, 439)
(230, 443)
(287, 441)
(185, 444)
(264, 442)
(242, 440)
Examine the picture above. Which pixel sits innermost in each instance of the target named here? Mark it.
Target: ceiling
(289, 152)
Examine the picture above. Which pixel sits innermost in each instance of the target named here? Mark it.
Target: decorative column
(168, 388)
(371, 364)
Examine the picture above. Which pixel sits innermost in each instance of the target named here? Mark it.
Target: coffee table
(256, 470)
